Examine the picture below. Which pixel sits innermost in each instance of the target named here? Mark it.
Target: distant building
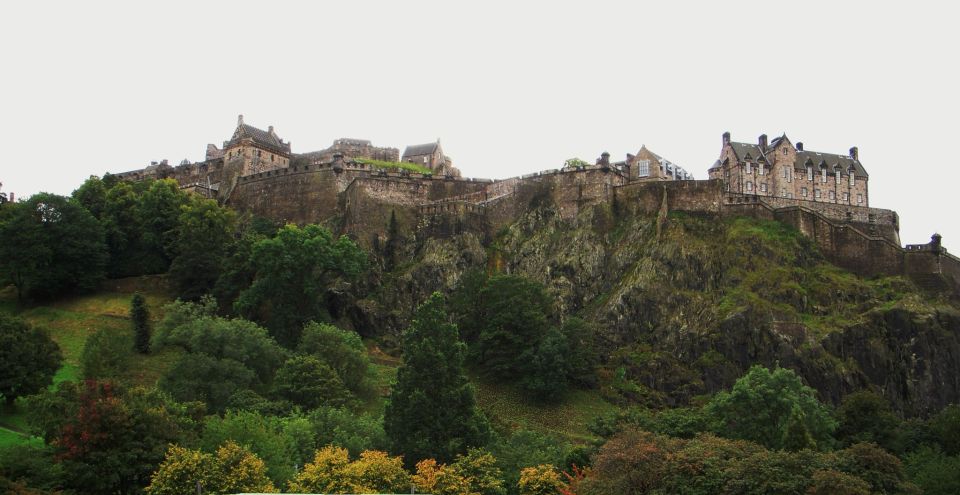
(780, 169)
(647, 165)
(430, 155)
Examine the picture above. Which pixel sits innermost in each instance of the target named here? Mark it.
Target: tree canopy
(28, 358)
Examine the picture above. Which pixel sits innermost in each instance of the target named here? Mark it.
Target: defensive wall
(361, 200)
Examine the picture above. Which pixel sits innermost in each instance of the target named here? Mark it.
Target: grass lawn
(70, 321)
(510, 408)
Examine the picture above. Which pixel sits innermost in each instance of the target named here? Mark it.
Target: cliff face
(686, 303)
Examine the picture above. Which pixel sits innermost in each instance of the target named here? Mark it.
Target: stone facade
(647, 165)
(780, 169)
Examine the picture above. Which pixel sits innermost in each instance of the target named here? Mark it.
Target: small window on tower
(749, 186)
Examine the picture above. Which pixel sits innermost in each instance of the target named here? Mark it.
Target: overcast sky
(509, 87)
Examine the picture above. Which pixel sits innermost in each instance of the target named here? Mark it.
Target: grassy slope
(69, 322)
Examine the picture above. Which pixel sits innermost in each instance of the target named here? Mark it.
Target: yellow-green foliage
(439, 479)
(332, 472)
(540, 480)
(232, 469)
(411, 167)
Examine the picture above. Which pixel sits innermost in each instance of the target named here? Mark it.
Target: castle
(359, 187)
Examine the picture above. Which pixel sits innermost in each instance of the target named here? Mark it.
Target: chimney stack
(799, 146)
(240, 119)
(12, 199)
(604, 159)
(726, 138)
(855, 153)
(763, 142)
(270, 129)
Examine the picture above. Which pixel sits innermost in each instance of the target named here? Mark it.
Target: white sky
(509, 87)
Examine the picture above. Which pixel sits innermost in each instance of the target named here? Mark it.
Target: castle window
(763, 186)
(784, 151)
(749, 168)
(760, 168)
(816, 193)
(837, 172)
(860, 199)
(809, 172)
(803, 192)
(823, 174)
(846, 197)
(853, 180)
(833, 195)
(643, 168)
(749, 186)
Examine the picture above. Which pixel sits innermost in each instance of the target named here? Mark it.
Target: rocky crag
(686, 301)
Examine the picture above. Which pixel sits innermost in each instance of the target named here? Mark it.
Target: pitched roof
(743, 150)
(267, 139)
(830, 160)
(420, 149)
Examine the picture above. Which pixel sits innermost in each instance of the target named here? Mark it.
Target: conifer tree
(141, 324)
(432, 411)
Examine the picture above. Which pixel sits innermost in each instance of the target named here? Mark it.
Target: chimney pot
(726, 137)
(799, 146)
(763, 142)
(854, 153)
(240, 119)
(270, 129)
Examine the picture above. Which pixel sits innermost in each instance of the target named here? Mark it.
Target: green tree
(51, 246)
(432, 412)
(479, 469)
(106, 354)
(92, 195)
(933, 471)
(945, 427)
(208, 379)
(292, 271)
(354, 431)
(514, 315)
(203, 235)
(309, 382)
(759, 406)
(865, 416)
(140, 317)
(158, 215)
(548, 372)
(343, 351)
(795, 435)
(28, 358)
(280, 442)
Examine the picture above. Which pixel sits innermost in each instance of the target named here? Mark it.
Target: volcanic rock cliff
(685, 302)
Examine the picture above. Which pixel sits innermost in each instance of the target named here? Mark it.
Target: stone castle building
(348, 186)
(781, 169)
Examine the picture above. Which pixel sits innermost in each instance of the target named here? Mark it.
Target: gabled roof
(420, 149)
(742, 150)
(267, 139)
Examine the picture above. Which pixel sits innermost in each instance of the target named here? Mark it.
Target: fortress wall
(287, 195)
(695, 196)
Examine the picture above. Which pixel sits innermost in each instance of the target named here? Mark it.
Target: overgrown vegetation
(385, 165)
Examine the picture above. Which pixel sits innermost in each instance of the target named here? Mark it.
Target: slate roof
(753, 151)
(420, 149)
(260, 137)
